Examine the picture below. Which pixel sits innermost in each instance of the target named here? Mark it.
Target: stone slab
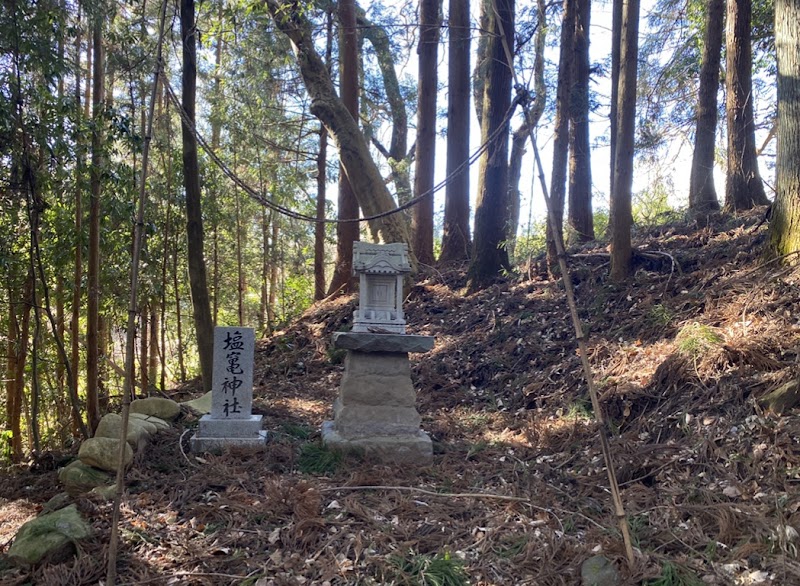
(369, 342)
(232, 378)
(357, 421)
(229, 428)
(216, 445)
(404, 449)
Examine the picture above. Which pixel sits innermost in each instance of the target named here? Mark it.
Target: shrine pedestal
(375, 412)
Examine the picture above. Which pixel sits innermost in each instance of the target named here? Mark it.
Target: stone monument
(231, 422)
(375, 412)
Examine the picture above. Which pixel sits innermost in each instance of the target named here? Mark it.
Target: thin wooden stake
(111, 571)
(619, 509)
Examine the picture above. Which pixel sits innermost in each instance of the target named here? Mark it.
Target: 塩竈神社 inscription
(231, 421)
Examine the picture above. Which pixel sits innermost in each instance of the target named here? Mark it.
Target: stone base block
(216, 445)
(407, 449)
(230, 428)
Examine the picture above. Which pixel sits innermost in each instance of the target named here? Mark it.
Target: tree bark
(616, 45)
(346, 233)
(523, 133)
(621, 214)
(558, 178)
(785, 222)
(455, 233)
(194, 217)
(371, 192)
(397, 154)
(93, 268)
(702, 194)
(319, 227)
(580, 219)
(144, 331)
(743, 186)
(426, 129)
(491, 212)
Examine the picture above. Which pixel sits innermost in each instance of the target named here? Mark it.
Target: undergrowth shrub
(441, 569)
(316, 458)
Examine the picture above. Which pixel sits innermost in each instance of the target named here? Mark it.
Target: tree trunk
(616, 45)
(580, 218)
(558, 178)
(346, 233)
(489, 254)
(263, 317)
(365, 177)
(273, 273)
(702, 195)
(77, 279)
(455, 234)
(397, 154)
(93, 268)
(152, 363)
(240, 280)
(621, 214)
(178, 312)
(426, 129)
(743, 186)
(319, 227)
(785, 222)
(522, 134)
(144, 331)
(194, 217)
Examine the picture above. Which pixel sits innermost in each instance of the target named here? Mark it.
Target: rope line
(273, 205)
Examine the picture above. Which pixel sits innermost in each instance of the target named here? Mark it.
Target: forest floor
(518, 492)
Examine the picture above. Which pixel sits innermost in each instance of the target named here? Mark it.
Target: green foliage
(441, 569)
(316, 458)
(696, 340)
(659, 315)
(673, 575)
(651, 206)
(532, 243)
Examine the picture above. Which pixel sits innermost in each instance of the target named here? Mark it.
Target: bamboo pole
(619, 509)
(111, 571)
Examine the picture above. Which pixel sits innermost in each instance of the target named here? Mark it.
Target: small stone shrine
(375, 412)
(231, 422)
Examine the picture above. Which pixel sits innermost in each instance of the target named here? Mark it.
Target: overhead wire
(281, 209)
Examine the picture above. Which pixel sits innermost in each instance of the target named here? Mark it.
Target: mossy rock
(165, 409)
(201, 405)
(156, 423)
(50, 537)
(103, 453)
(111, 424)
(79, 478)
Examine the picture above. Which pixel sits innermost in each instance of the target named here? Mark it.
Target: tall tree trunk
(616, 45)
(240, 280)
(397, 154)
(194, 218)
(426, 129)
(93, 268)
(580, 219)
(489, 255)
(521, 134)
(319, 227)
(322, 183)
(621, 214)
(558, 178)
(19, 332)
(346, 233)
(455, 234)
(273, 273)
(702, 195)
(178, 312)
(77, 279)
(144, 381)
(743, 186)
(785, 222)
(263, 317)
(152, 363)
(365, 177)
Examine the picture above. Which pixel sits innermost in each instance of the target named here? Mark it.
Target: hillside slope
(518, 492)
